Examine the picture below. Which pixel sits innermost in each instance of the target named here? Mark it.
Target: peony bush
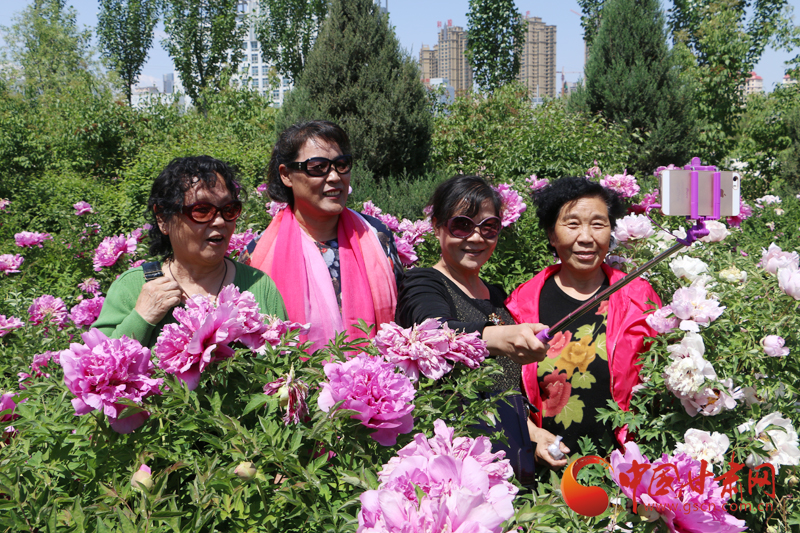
(228, 424)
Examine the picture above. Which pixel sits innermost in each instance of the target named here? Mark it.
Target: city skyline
(415, 24)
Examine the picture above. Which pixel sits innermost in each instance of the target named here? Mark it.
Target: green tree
(287, 30)
(125, 31)
(49, 47)
(204, 39)
(631, 78)
(723, 40)
(494, 42)
(358, 76)
(590, 20)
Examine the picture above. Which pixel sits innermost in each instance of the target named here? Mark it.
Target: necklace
(224, 275)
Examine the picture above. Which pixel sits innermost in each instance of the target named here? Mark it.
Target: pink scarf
(293, 261)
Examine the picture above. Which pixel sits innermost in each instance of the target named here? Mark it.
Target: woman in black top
(466, 220)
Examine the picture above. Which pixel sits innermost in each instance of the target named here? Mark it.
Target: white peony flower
(687, 267)
(717, 231)
(699, 445)
(733, 275)
(780, 444)
(633, 227)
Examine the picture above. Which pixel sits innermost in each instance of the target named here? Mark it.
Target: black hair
(169, 189)
(550, 199)
(462, 195)
(288, 146)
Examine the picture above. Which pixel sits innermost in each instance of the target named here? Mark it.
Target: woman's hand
(157, 298)
(517, 342)
(542, 439)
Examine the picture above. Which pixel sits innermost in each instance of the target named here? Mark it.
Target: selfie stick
(695, 232)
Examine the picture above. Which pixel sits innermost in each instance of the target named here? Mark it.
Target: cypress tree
(633, 79)
(358, 76)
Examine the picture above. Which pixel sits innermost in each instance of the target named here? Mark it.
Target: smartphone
(675, 187)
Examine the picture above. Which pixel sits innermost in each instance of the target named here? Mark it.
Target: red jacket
(626, 329)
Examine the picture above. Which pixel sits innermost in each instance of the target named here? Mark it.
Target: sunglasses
(321, 166)
(204, 212)
(462, 227)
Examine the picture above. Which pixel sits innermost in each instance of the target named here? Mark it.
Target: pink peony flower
(42, 360)
(239, 242)
(662, 320)
(425, 348)
(405, 250)
(111, 249)
(537, 183)
(261, 189)
(679, 504)
(745, 212)
(277, 328)
(594, 171)
(4, 202)
(692, 307)
(292, 393)
(633, 227)
(789, 281)
(716, 231)
(390, 220)
(201, 336)
(649, 201)
(427, 210)
(81, 208)
(86, 312)
(658, 171)
(28, 239)
(622, 183)
(774, 258)
(773, 346)
(441, 484)
(103, 371)
(90, 285)
(7, 403)
(7, 324)
(467, 348)
(512, 207)
(249, 314)
(371, 209)
(369, 385)
(9, 264)
(414, 232)
(47, 308)
(273, 208)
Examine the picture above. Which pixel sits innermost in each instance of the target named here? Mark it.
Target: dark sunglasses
(320, 166)
(203, 212)
(462, 227)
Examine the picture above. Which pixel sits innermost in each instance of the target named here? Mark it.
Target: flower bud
(142, 478)
(792, 480)
(246, 470)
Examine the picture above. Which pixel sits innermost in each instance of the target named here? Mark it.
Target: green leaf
(256, 401)
(582, 380)
(572, 412)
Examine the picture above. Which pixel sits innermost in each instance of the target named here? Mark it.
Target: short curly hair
(550, 199)
(169, 190)
(290, 142)
(462, 195)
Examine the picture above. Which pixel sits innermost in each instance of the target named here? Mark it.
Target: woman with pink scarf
(333, 266)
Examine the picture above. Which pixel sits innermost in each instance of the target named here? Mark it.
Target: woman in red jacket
(596, 359)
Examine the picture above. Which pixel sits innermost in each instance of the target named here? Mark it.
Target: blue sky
(415, 24)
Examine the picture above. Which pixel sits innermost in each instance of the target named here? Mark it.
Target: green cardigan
(118, 316)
